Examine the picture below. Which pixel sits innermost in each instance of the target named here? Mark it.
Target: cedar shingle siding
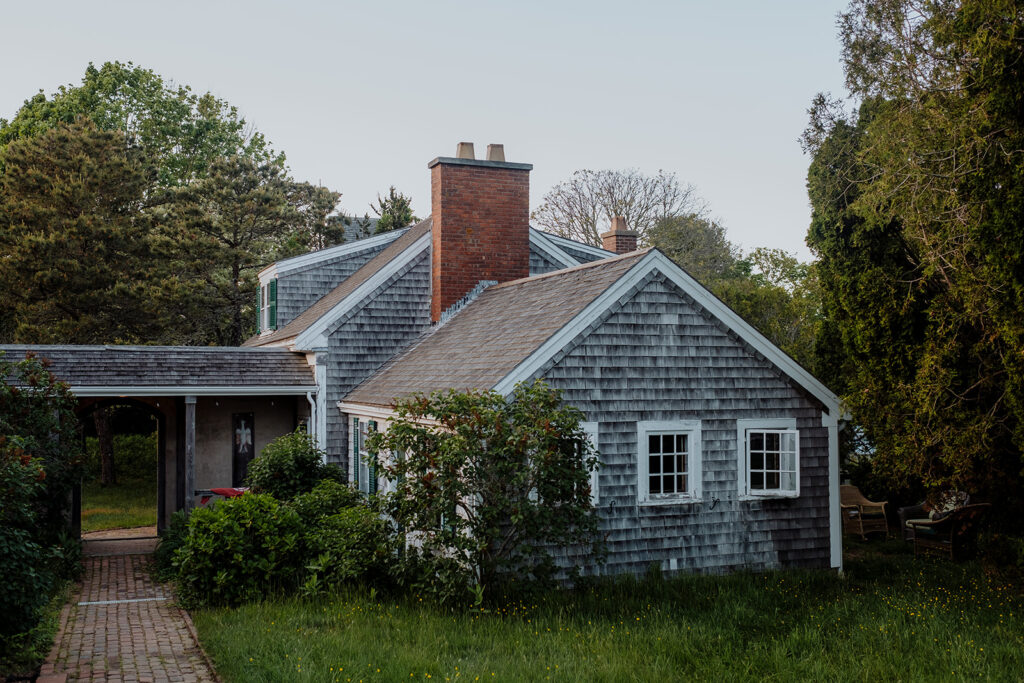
(658, 356)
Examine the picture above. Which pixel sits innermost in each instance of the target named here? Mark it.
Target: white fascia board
(267, 274)
(656, 261)
(581, 246)
(183, 390)
(313, 257)
(539, 239)
(311, 337)
(384, 413)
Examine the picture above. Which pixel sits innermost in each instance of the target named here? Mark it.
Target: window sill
(747, 498)
(681, 500)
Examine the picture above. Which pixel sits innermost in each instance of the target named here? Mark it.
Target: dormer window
(268, 306)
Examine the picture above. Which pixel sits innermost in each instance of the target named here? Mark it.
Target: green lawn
(890, 617)
(129, 503)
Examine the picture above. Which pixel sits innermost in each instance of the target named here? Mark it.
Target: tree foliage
(582, 207)
(917, 207)
(75, 231)
(490, 482)
(393, 212)
(181, 131)
(170, 201)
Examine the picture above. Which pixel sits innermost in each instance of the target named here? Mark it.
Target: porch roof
(174, 370)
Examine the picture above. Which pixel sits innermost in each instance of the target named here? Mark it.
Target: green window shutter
(355, 451)
(272, 304)
(372, 488)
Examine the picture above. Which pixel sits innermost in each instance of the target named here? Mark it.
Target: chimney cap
(464, 150)
(495, 152)
(620, 227)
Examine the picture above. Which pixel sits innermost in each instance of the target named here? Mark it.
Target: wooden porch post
(190, 452)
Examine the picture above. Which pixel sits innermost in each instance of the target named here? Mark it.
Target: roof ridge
(582, 266)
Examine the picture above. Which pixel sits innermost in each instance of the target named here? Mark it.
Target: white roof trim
(184, 390)
(378, 412)
(345, 249)
(540, 240)
(655, 260)
(582, 246)
(309, 338)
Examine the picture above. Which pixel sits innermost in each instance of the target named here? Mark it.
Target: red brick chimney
(481, 223)
(620, 238)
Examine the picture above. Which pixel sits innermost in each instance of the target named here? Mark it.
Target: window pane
(757, 441)
(771, 461)
(771, 441)
(789, 461)
(757, 480)
(668, 464)
(681, 463)
(668, 443)
(680, 482)
(789, 442)
(680, 443)
(655, 484)
(789, 481)
(654, 443)
(667, 484)
(655, 464)
(757, 461)
(771, 480)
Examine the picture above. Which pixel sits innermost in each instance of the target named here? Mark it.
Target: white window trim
(591, 428)
(694, 468)
(742, 426)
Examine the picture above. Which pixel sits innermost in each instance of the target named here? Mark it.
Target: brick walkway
(122, 626)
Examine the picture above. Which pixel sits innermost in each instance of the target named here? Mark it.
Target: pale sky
(361, 96)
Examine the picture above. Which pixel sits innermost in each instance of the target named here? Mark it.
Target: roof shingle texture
(164, 366)
(493, 334)
(305, 319)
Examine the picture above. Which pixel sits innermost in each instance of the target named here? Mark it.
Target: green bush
(171, 538)
(327, 498)
(239, 550)
(289, 466)
(354, 544)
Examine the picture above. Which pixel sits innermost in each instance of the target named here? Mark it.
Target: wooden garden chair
(952, 534)
(860, 515)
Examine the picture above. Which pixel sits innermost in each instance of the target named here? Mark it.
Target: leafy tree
(696, 243)
(75, 234)
(582, 207)
(241, 216)
(490, 482)
(393, 212)
(181, 131)
(918, 203)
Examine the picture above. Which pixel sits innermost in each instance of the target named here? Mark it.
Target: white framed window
(363, 475)
(595, 476)
(768, 458)
(669, 464)
(268, 306)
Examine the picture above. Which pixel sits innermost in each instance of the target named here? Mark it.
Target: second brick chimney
(620, 238)
(480, 212)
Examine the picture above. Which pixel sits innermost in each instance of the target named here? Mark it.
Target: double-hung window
(268, 306)
(769, 458)
(595, 475)
(669, 465)
(364, 474)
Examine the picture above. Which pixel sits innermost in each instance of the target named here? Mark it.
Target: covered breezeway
(216, 407)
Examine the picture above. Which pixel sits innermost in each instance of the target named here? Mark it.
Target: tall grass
(889, 617)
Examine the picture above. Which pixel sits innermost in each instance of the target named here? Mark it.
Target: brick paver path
(123, 626)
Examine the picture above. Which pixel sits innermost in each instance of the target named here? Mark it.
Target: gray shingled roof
(172, 366)
(493, 334)
(305, 319)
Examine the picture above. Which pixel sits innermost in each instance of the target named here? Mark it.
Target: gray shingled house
(718, 451)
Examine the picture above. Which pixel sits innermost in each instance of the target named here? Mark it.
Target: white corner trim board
(308, 338)
(835, 525)
(656, 261)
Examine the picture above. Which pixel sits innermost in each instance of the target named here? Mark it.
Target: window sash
(669, 464)
(772, 461)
